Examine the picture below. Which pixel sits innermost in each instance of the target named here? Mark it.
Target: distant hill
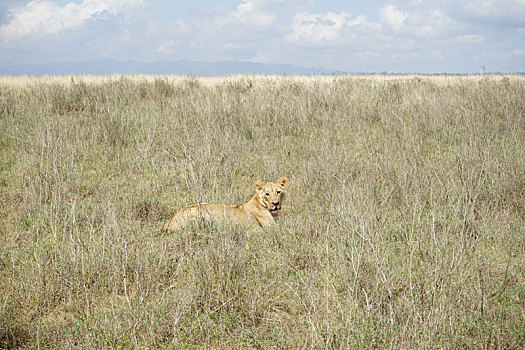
(161, 67)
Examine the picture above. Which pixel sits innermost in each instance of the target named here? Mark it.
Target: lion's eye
(267, 194)
(278, 192)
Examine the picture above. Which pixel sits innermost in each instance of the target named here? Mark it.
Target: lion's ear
(259, 184)
(282, 181)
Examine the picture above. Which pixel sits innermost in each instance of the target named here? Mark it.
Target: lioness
(258, 212)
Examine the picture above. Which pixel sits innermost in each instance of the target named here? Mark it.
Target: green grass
(403, 226)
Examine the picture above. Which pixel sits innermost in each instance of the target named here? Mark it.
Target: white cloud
(417, 20)
(252, 12)
(166, 48)
(177, 27)
(499, 56)
(470, 39)
(391, 16)
(221, 33)
(328, 28)
(510, 9)
(408, 35)
(318, 27)
(41, 17)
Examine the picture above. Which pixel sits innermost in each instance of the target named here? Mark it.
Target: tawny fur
(258, 212)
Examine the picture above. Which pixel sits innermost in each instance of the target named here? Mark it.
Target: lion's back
(231, 214)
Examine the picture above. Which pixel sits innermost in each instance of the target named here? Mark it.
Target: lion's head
(271, 194)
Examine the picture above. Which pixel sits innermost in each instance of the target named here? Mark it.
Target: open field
(403, 226)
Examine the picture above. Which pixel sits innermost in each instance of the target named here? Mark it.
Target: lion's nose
(275, 203)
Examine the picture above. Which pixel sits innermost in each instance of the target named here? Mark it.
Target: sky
(425, 36)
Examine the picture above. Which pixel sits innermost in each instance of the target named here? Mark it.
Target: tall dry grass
(403, 228)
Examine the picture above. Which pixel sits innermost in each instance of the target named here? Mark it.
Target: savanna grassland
(403, 226)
